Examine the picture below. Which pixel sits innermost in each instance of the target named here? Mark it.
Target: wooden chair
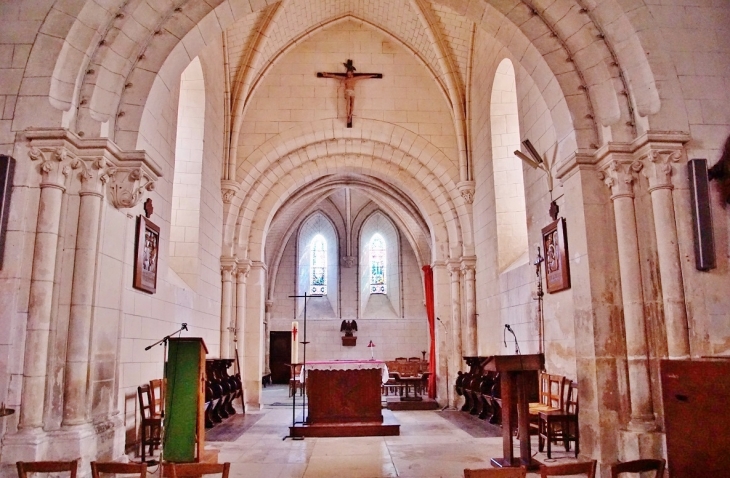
(496, 473)
(560, 425)
(118, 468)
(25, 467)
(151, 424)
(157, 395)
(639, 466)
(189, 470)
(588, 468)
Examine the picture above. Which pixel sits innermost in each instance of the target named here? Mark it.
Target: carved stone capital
(129, 174)
(620, 176)
(228, 267)
(269, 304)
(658, 168)
(454, 268)
(55, 165)
(127, 186)
(94, 175)
(468, 265)
(349, 261)
(229, 189)
(466, 188)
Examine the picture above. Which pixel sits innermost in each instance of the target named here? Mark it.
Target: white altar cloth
(345, 365)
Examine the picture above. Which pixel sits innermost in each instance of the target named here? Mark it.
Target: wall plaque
(146, 254)
(555, 243)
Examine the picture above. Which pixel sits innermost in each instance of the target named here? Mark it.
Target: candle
(295, 342)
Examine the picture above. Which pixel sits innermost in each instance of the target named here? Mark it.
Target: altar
(343, 399)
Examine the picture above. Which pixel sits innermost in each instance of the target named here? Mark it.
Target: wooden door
(280, 356)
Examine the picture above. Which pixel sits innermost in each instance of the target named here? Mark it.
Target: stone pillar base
(635, 445)
(25, 445)
(78, 441)
(252, 394)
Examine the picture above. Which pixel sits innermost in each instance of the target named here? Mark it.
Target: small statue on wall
(721, 172)
(348, 327)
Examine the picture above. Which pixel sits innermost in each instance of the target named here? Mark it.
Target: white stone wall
(185, 227)
(509, 190)
(507, 298)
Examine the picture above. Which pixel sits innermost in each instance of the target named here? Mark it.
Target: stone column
(55, 168)
(619, 177)
(658, 169)
(267, 340)
(468, 272)
(242, 269)
(253, 338)
(456, 329)
(445, 374)
(228, 267)
(76, 380)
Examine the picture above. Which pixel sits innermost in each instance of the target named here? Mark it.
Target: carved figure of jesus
(349, 79)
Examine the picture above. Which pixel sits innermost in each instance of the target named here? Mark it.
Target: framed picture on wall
(146, 253)
(555, 244)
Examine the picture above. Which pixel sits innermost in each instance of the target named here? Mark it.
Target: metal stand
(540, 318)
(304, 343)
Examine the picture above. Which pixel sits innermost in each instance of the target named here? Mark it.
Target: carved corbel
(127, 186)
(348, 261)
(229, 189)
(466, 188)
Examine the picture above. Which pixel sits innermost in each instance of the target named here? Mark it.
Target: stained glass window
(377, 265)
(319, 265)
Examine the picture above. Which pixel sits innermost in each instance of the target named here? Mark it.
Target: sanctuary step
(395, 403)
(389, 427)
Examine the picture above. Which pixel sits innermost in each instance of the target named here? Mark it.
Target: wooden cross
(349, 78)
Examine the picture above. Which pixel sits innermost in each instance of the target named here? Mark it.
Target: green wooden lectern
(184, 424)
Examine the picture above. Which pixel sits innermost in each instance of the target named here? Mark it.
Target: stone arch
(408, 154)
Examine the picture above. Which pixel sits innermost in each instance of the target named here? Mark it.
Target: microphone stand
(517, 346)
(163, 341)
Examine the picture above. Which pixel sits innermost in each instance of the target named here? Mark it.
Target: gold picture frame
(146, 253)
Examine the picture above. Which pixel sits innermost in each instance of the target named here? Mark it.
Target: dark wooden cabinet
(696, 394)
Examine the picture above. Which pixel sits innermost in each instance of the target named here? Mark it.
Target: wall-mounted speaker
(699, 188)
(7, 167)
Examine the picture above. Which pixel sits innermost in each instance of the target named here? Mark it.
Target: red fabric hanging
(428, 291)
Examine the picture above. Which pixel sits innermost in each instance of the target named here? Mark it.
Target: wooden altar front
(513, 370)
(344, 400)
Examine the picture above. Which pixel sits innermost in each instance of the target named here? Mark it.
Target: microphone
(184, 326)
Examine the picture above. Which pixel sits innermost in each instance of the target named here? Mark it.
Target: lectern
(512, 371)
(184, 421)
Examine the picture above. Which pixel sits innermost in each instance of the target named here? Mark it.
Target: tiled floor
(429, 447)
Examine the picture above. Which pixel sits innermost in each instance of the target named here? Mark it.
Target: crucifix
(349, 78)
